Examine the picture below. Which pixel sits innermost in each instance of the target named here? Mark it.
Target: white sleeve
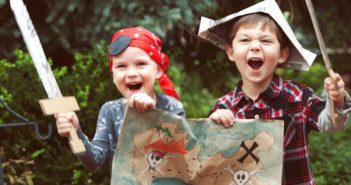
(325, 123)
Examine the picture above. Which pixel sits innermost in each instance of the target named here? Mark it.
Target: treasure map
(159, 148)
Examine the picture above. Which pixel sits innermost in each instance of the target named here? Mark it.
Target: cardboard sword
(56, 102)
(326, 59)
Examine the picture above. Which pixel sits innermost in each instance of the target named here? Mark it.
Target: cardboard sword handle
(75, 143)
(64, 104)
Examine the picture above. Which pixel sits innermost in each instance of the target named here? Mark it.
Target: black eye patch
(119, 45)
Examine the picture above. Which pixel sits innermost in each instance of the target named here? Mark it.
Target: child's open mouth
(255, 63)
(134, 87)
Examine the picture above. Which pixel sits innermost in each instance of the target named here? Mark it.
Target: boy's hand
(223, 116)
(336, 94)
(141, 102)
(65, 121)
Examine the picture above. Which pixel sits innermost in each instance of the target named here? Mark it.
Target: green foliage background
(75, 35)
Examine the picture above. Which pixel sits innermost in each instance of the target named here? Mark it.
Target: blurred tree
(68, 26)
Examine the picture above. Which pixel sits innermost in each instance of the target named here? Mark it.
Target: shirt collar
(272, 91)
(275, 87)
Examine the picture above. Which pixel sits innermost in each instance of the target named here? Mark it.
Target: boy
(136, 61)
(257, 45)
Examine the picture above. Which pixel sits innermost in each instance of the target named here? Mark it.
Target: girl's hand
(65, 121)
(141, 102)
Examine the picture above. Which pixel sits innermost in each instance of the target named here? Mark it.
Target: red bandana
(142, 38)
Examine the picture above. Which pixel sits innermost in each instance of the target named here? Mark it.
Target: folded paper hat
(216, 31)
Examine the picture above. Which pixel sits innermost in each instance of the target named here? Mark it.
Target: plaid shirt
(288, 101)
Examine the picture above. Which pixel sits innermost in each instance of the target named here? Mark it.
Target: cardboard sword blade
(56, 103)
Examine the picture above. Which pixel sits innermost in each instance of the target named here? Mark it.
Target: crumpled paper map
(159, 148)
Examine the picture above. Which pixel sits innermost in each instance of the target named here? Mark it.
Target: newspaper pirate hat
(215, 31)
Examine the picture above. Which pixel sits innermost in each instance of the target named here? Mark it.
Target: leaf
(37, 153)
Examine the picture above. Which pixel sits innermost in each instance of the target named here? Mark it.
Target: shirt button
(257, 116)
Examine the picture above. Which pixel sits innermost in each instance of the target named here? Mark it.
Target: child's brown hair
(252, 20)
